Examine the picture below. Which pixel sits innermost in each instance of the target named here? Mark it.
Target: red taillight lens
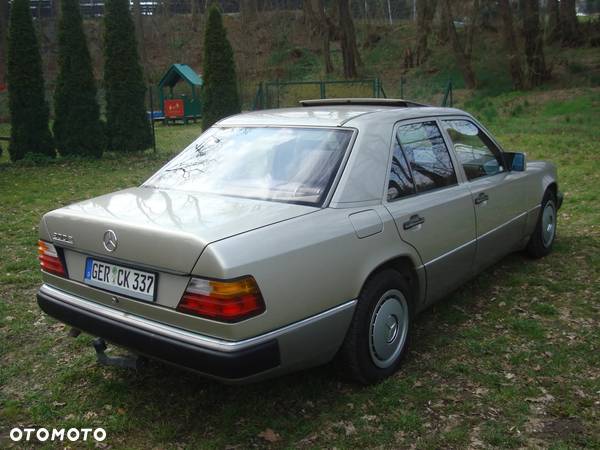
(49, 260)
(227, 301)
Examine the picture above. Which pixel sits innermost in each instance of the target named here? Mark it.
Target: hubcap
(388, 328)
(548, 224)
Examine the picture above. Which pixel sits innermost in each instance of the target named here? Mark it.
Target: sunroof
(393, 102)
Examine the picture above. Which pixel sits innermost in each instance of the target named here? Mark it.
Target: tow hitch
(128, 361)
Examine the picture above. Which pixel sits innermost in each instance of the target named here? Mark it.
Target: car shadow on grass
(299, 402)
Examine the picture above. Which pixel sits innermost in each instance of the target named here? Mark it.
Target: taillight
(226, 301)
(49, 260)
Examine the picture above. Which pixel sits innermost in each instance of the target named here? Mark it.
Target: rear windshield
(295, 165)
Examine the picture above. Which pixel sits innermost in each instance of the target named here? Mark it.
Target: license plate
(123, 280)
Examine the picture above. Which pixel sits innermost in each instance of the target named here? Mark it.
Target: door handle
(414, 221)
(482, 197)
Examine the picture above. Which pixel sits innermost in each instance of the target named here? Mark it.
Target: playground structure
(176, 102)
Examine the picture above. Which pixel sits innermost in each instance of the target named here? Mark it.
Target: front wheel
(379, 333)
(541, 241)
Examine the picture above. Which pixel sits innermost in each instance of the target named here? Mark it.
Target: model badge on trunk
(62, 238)
(110, 241)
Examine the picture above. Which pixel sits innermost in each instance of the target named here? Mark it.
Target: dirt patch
(564, 427)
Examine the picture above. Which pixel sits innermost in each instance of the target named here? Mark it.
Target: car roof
(333, 115)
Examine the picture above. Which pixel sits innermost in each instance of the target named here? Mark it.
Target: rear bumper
(253, 359)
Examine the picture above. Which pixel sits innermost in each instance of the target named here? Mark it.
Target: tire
(543, 237)
(378, 337)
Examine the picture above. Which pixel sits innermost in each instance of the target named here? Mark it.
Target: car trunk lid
(164, 229)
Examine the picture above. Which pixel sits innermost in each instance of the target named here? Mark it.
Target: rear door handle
(414, 221)
(482, 197)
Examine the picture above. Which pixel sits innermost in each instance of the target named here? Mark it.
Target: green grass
(510, 360)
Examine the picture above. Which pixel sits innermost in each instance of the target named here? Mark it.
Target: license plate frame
(115, 288)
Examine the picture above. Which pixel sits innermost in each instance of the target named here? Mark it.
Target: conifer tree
(29, 111)
(77, 126)
(127, 126)
(220, 93)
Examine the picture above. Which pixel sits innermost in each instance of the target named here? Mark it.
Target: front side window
(427, 156)
(476, 152)
(295, 165)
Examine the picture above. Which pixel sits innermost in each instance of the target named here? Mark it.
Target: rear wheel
(541, 241)
(378, 336)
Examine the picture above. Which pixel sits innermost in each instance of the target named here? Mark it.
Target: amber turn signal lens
(49, 260)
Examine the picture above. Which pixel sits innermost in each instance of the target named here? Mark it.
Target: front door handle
(482, 197)
(414, 221)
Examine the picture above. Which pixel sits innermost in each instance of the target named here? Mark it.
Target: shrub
(127, 126)
(29, 111)
(220, 93)
(77, 127)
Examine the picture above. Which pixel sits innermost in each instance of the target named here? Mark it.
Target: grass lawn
(510, 360)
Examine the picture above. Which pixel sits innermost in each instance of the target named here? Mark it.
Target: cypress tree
(220, 93)
(77, 127)
(127, 127)
(29, 111)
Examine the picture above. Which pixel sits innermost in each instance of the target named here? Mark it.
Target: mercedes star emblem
(110, 241)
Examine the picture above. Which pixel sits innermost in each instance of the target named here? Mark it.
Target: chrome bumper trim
(183, 335)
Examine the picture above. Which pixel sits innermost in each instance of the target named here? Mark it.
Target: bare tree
(570, 33)
(534, 44)
(441, 25)
(472, 27)
(425, 14)
(510, 43)
(3, 33)
(347, 35)
(463, 57)
(320, 26)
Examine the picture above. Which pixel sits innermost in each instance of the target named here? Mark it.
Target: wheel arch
(406, 267)
(553, 187)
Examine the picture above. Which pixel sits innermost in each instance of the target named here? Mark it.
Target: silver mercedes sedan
(282, 239)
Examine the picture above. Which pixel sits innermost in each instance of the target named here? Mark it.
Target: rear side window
(401, 182)
(476, 152)
(427, 156)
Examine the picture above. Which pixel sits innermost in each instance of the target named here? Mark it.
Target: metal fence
(277, 94)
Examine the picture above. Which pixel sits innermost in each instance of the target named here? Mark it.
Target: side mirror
(516, 161)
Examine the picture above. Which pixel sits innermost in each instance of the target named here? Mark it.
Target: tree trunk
(442, 26)
(553, 31)
(319, 25)
(194, 13)
(473, 24)
(55, 8)
(425, 13)
(350, 54)
(464, 60)
(3, 34)
(510, 43)
(569, 25)
(534, 50)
